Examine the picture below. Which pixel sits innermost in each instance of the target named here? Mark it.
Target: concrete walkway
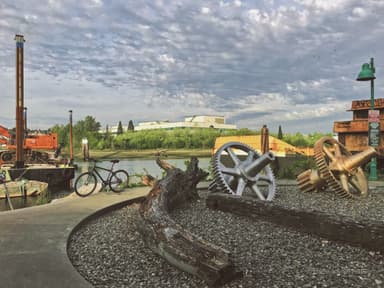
(33, 241)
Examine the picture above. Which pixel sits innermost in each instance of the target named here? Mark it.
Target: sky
(292, 63)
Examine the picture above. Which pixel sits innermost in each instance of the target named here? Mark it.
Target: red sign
(373, 116)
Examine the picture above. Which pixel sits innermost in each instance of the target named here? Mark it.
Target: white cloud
(205, 10)
(96, 3)
(237, 3)
(166, 59)
(325, 5)
(359, 12)
(252, 61)
(257, 16)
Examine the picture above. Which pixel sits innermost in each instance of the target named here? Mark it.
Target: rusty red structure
(353, 134)
(19, 157)
(264, 139)
(19, 163)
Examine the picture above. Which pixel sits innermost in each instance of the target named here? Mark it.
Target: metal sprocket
(330, 153)
(239, 169)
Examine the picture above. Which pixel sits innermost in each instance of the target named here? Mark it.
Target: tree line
(178, 138)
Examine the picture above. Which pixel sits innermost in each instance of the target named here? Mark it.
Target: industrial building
(201, 121)
(353, 134)
(216, 122)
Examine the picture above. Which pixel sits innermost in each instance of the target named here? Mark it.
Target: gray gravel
(370, 207)
(109, 252)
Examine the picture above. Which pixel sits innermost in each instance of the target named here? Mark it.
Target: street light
(367, 74)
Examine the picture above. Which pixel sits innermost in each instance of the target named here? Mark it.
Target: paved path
(33, 241)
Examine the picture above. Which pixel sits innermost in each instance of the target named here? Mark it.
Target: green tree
(280, 133)
(87, 128)
(300, 140)
(119, 128)
(130, 126)
(62, 134)
(89, 124)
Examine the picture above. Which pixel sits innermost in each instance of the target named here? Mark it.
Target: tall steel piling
(19, 101)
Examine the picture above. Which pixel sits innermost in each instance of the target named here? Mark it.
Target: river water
(135, 168)
(143, 166)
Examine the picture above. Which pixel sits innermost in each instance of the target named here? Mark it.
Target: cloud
(254, 62)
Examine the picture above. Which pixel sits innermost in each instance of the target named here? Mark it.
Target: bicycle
(86, 182)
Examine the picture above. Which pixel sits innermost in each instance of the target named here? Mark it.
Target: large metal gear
(239, 169)
(339, 170)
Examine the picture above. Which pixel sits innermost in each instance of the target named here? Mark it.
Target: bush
(294, 166)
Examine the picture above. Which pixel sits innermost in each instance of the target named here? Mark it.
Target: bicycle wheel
(85, 184)
(119, 180)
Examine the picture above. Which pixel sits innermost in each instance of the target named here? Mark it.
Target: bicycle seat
(115, 161)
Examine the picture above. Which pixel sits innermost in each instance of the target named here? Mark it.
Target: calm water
(133, 166)
(143, 166)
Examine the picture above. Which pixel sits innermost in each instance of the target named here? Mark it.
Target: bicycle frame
(98, 174)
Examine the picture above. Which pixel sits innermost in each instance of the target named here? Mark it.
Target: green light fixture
(366, 73)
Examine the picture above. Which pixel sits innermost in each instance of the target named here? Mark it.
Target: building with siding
(216, 122)
(353, 134)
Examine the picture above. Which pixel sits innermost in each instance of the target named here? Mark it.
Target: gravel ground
(109, 252)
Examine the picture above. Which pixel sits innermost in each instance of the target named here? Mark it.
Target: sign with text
(374, 128)
(374, 116)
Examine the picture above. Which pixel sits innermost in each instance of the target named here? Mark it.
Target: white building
(216, 122)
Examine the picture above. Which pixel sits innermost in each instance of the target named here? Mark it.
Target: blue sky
(290, 62)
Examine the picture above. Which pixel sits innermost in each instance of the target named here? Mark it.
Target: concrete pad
(33, 240)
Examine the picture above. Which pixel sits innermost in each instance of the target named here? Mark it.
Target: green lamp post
(367, 73)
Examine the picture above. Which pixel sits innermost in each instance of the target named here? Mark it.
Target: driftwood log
(168, 239)
(368, 234)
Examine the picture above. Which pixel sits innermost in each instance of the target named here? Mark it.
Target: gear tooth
(308, 184)
(212, 187)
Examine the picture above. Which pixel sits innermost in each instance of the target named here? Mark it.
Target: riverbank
(150, 153)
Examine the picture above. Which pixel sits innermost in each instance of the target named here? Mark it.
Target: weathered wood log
(148, 180)
(168, 239)
(368, 234)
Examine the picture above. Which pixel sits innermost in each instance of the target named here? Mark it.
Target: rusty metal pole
(264, 139)
(19, 101)
(70, 138)
(25, 122)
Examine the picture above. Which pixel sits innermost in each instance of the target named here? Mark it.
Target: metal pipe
(70, 138)
(359, 159)
(19, 101)
(259, 164)
(25, 122)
